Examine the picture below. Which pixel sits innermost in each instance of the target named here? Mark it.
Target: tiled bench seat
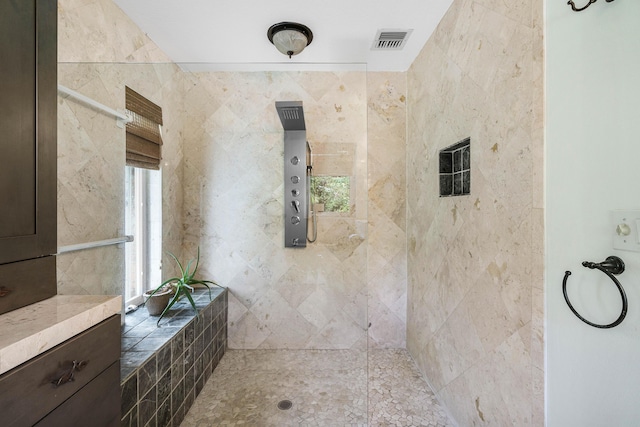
(164, 368)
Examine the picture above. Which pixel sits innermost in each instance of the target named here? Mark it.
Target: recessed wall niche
(455, 169)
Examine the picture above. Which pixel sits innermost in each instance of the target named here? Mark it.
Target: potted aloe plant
(155, 300)
(181, 286)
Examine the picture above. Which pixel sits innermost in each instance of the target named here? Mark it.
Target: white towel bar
(121, 118)
(96, 244)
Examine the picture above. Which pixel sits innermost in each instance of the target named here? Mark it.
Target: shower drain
(285, 404)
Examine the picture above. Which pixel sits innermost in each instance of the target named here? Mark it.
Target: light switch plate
(626, 230)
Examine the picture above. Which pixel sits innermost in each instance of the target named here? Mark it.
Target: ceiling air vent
(390, 39)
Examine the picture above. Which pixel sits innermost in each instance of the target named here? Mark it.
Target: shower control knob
(295, 179)
(295, 220)
(296, 205)
(295, 160)
(295, 192)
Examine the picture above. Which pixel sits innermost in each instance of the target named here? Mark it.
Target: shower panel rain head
(296, 189)
(291, 115)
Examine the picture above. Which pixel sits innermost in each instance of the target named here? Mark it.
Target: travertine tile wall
(475, 262)
(279, 298)
(326, 299)
(326, 295)
(387, 264)
(97, 59)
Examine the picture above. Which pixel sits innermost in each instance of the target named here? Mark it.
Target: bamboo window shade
(144, 138)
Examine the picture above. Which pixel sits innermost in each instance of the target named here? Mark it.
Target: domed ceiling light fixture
(290, 38)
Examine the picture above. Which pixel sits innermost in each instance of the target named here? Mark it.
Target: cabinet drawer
(97, 404)
(35, 388)
(37, 282)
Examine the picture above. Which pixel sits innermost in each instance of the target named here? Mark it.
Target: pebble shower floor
(326, 388)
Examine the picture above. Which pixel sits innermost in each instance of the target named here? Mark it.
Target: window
(455, 169)
(143, 196)
(333, 192)
(143, 220)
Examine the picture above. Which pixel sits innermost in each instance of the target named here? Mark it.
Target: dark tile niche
(163, 369)
(455, 169)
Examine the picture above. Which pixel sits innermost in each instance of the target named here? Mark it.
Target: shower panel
(297, 155)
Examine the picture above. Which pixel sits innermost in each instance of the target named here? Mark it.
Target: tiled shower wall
(387, 257)
(474, 263)
(93, 60)
(234, 111)
(279, 298)
(354, 277)
(475, 270)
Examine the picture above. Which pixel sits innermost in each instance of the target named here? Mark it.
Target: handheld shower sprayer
(312, 211)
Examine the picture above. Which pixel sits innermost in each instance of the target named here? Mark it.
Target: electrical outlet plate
(626, 230)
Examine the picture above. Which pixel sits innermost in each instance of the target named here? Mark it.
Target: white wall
(592, 154)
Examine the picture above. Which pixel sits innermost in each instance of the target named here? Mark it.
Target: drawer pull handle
(68, 375)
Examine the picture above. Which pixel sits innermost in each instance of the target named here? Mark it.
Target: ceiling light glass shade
(290, 42)
(290, 38)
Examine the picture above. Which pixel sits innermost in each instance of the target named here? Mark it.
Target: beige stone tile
(464, 343)
(247, 332)
(342, 331)
(325, 387)
(485, 70)
(319, 308)
(387, 329)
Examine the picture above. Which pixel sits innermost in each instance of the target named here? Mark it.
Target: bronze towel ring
(580, 9)
(612, 265)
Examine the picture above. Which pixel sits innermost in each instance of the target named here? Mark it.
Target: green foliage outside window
(332, 191)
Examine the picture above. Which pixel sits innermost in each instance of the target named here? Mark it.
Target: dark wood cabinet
(28, 90)
(92, 407)
(76, 383)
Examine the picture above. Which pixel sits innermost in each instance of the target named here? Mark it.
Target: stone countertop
(34, 329)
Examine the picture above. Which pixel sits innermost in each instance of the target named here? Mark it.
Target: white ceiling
(232, 34)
